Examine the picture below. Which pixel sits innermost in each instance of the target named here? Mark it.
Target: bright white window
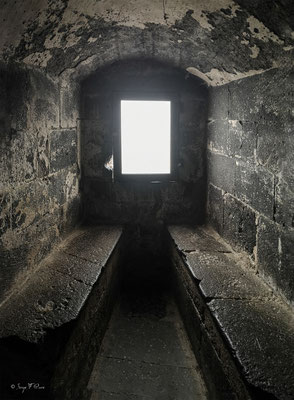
(145, 137)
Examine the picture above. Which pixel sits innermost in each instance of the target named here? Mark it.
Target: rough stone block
(176, 379)
(49, 300)
(216, 208)
(239, 224)
(287, 158)
(93, 244)
(261, 335)
(268, 257)
(275, 256)
(221, 171)
(13, 262)
(69, 101)
(20, 92)
(72, 184)
(231, 281)
(286, 283)
(211, 263)
(218, 103)
(284, 204)
(273, 145)
(43, 156)
(32, 235)
(29, 204)
(24, 162)
(217, 136)
(63, 149)
(18, 158)
(71, 214)
(246, 99)
(4, 111)
(241, 139)
(56, 293)
(57, 189)
(44, 235)
(188, 239)
(92, 148)
(5, 164)
(233, 138)
(44, 102)
(90, 106)
(5, 212)
(255, 186)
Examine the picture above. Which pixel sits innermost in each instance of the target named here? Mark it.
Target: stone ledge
(57, 291)
(257, 326)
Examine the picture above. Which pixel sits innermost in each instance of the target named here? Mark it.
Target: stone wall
(108, 200)
(251, 169)
(38, 170)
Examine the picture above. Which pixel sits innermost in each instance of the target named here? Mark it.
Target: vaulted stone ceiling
(217, 40)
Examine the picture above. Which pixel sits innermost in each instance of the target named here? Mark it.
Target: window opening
(145, 137)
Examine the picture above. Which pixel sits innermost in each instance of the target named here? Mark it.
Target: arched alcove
(179, 198)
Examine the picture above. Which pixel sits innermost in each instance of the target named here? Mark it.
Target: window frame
(116, 137)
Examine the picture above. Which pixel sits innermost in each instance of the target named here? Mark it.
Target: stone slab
(261, 334)
(78, 269)
(48, 301)
(56, 292)
(215, 266)
(189, 239)
(93, 243)
(158, 381)
(146, 356)
(221, 276)
(147, 339)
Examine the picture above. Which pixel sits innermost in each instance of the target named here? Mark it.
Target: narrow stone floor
(145, 353)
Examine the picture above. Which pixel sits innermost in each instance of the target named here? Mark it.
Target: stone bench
(51, 319)
(247, 325)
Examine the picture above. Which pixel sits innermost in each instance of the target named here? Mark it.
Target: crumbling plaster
(219, 41)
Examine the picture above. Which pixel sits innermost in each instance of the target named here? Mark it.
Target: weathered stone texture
(275, 256)
(239, 224)
(220, 41)
(221, 171)
(284, 204)
(5, 207)
(216, 208)
(265, 346)
(232, 137)
(218, 103)
(250, 142)
(63, 149)
(235, 311)
(255, 187)
(38, 163)
(69, 103)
